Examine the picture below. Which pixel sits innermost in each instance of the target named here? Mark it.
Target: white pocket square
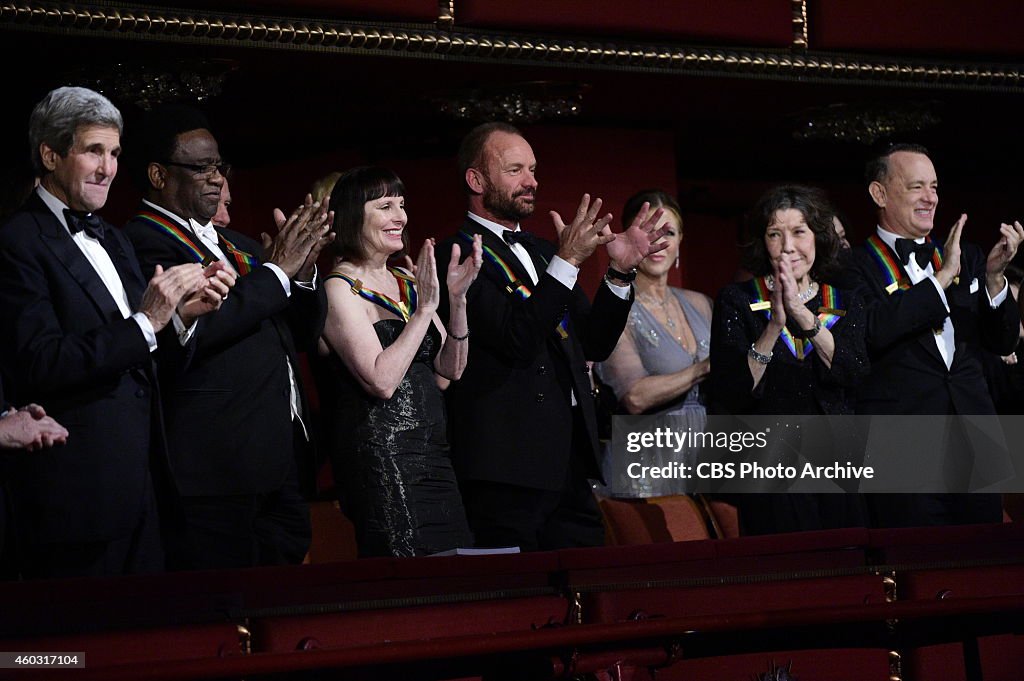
(974, 285)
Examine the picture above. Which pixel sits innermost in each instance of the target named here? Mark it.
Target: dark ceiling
(283, 105)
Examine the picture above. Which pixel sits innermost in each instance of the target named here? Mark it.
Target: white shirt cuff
(308, 285)
(999, 297)
(147, 329)
(281, 276)
(620, 291)
(184, 334)
(563, 271)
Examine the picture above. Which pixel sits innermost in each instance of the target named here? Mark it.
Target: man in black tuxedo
(80, 324)
(236, 413)
(930, 316)
(25, 429)
(524, 429)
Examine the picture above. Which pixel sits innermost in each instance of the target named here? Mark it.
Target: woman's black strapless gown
(391, 459)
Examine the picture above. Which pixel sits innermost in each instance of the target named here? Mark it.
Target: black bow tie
(516, 237)
(90, 222)
(921, 252)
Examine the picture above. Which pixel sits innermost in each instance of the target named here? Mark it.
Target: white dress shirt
(100, 260)
(565, 272)
(946, 340)
(208, 235)
(560, 269)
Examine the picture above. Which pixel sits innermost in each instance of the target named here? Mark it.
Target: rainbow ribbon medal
(892, 271)
(403, 307)
(244, 262)
(514, 285)
(829, 313)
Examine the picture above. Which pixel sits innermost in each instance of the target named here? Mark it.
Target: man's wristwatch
(625, 277)
(807, 334)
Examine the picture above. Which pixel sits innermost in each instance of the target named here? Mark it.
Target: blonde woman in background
(661, 359)
(323, 187)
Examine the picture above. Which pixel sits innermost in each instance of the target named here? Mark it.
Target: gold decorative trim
(889, 586)
(800, 41)
(244, 639)
(895, 666)
(120, 21)
(445, 14)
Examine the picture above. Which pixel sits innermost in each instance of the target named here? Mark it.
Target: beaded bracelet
(459, 338)
(759, 357)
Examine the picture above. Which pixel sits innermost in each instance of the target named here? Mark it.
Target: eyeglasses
(205, 169)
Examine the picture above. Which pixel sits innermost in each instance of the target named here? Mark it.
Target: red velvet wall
(609, 163)
(922, 26)
(422, 11)
(760, 22)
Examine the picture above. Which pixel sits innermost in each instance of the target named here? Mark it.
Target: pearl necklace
(803, 297)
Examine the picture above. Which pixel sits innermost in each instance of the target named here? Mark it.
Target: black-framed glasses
(206, 169)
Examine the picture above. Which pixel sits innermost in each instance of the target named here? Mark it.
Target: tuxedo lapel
(927, 340)
(127, 267)
(64, 248)
(193, 245)
(502, 250)
(242, 261)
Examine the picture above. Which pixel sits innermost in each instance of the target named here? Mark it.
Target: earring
(677, 261)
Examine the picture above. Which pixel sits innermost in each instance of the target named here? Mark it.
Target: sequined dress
(391, 458)
(647, 348)
(789, 386)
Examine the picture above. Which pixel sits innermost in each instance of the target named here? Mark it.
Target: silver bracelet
(759, 357)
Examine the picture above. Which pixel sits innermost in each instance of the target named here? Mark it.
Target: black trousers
(243, 530)
(138, 552)
(500, 514)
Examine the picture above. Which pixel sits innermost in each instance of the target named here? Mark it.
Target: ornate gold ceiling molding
(800, 25)
(120, 21)
(445, 14)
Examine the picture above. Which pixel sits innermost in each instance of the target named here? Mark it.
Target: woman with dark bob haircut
(390, 359)
(790, 341)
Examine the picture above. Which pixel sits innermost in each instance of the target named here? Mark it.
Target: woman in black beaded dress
(791, 341)
(390, 359)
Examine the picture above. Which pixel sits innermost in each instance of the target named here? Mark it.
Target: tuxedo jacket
(510, 415)
(65, 345)
(229, 427)
(908, 375)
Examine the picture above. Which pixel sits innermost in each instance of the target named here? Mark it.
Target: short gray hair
(58, 116)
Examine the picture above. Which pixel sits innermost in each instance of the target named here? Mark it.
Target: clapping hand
(461, 276)
(31, 429)
(778, 296)
(300, 238)
(167, 289)
(219, 280)
(951, 254)
(428, 291)
(1001, 255)
(794, 309)
(578, 240)
(638, 241)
